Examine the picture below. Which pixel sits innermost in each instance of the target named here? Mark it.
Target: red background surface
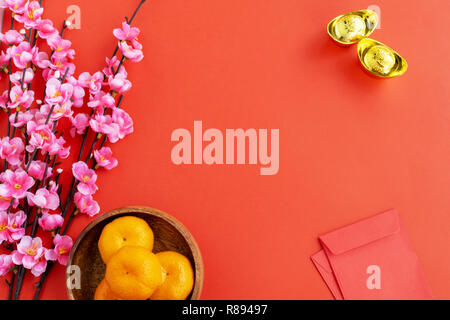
(350, 145)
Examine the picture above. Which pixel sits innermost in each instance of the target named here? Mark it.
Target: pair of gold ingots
(376, 57)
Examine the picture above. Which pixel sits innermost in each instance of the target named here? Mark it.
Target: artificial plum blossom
(11, 37)
(124, 121)
(4, 99)
(15, 226)
(39, 118)
(37, 168)
(12, 150)
(43, 199)
(40, 58)
(46, 29)
(16, 183)
(4, 227)
(56, 147)
(6, 263)
(21, 54)
(119, 83)
(4, 61)
(131, 52)
(100, 100)
(16, 6)
(92, 82)
(104, 124)
(63, 245)
(104, 158)
(57, 92)
(50, 222)
(20, 119)
(61, 47)
(16, 77)
(39, 136)
(11, 226)
(79, 123)
(86, 204)
(127, 32)
(60, 65)
(31, 15)
(20, 98)
(59, 110)
(86, 177)
(111, 67)
(5, 200)
(78, 92)
(31, 255)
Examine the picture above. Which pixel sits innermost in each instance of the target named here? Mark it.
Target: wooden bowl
(169, 233)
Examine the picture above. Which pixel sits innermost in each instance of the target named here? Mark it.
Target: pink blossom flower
(11, 37)
(50, 222)
(124, 121)
(55, 92)
(16, 77)
(86, 204)
(86, 177)
(133, 52)
(36, 170)
(59, 110)
(6, 263)
(39, 118)
(15, 226)
(58, 64)
(63, 245)
(12, 150)
(61, 47)
(39, 136)
(78, 92)
(56, 147)
(40, 58)
(20, 98)
(16, 6)
(104, 158)
(4, 227)
(31, 254)
(119, 83)
(112, 65)
(21, 54)
(5, 200)
(94, 82)
(31, 14)
(16, 183)
(44, 199)
(104, 124)
(4, 99)
(79, 124)
(126, 33)
(100, 100)
(46, 29)
(21, 119)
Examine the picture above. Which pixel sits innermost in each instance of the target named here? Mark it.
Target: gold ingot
(351, 27)
(380, 60)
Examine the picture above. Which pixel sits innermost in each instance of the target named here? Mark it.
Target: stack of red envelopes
(371, 259)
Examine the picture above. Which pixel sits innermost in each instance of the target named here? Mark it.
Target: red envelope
(371, 259)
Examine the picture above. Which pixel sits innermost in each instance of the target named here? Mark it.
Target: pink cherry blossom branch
(73, 183)
(37, 186)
